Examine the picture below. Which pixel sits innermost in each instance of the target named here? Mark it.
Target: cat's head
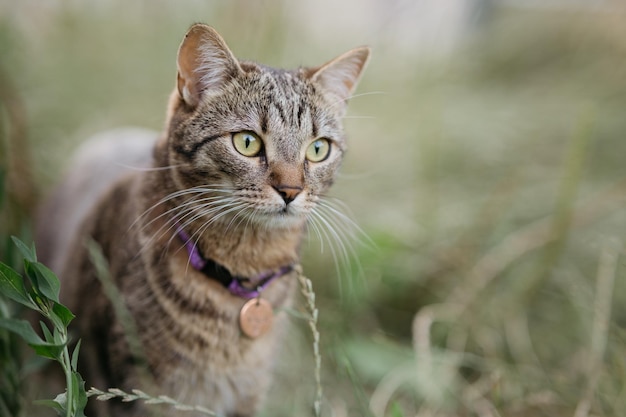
(252, 142)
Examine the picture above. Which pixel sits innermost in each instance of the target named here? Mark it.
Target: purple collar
(218, 272)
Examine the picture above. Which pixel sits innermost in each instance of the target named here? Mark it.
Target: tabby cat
(202, 242)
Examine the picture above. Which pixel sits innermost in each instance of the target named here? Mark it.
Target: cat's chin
(282, 219)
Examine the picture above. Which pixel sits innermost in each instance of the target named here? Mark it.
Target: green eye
(247, 144)
(318, 150)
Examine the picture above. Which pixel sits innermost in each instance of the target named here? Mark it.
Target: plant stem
(67, 368)
(307, 291)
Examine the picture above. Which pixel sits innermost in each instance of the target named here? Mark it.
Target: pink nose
(288, 193)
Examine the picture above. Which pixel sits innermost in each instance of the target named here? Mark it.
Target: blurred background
(486, 167)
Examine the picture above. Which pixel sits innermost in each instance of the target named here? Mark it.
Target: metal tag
(256, 317)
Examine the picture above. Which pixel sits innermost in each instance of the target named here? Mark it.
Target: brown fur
(192, 348)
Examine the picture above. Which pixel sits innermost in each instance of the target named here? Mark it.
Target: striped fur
(191, 347)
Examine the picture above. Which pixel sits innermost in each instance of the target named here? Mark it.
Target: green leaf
(58, 338)
(28, 253)
(56, 321)
(48, 350)
(44, 280)
(41, 303)
(46, 332)
(26, 332)
(12, 286)
(54, 404)
(63, 313)
(80, 395)
(23, 329)
(59, 403)
(75, 356)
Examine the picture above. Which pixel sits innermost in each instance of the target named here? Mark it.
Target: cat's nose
(288, 193)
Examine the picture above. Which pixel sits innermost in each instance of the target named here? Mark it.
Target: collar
(218, 272)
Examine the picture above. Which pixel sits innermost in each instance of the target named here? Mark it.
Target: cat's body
(247, 153)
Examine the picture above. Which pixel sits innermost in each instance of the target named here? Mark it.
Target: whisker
(332, 225)
(190, 212)
(147, 169)
(359, 117)
(200, 231)
(196, 213)
(185, 207)
(347, 237)
(177, 194)
(241, 215)
(324, 236)
(314, 225)
(176, 218)
(251, 217)
(206, 210)
(356, 177)
(369, 93)
(347, 223)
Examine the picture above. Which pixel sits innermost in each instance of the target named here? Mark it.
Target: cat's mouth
(273, 212)
(288, 213)
(286, 216)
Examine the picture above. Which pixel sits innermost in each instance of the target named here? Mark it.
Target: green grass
(497, 283)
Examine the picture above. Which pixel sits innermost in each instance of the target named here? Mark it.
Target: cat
(202, 234)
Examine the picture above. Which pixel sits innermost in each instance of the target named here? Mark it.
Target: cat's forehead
(281, 85)
(286, 100)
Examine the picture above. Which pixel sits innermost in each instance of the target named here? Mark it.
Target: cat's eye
(318, 150)
(247, 143)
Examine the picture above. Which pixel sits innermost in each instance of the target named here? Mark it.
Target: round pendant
(255, 317)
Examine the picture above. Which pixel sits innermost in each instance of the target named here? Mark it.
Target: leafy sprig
(309, 295)
(38, 289)
(137, 395)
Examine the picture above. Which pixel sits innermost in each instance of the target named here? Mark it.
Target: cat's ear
(341, 75)
(205, 64)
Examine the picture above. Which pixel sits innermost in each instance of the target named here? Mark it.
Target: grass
(491, 181)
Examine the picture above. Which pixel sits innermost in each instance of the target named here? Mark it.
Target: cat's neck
(248, 250)
(244, 248)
